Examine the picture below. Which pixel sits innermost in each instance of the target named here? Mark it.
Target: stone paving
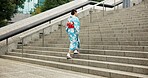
(15, 69)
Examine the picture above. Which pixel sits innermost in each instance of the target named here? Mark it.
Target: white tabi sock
(68, 55)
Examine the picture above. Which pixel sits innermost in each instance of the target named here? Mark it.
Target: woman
(73, 28)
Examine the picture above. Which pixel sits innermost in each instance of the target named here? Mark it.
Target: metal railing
(104, 5)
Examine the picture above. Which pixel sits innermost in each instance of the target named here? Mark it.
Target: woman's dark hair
(73, 11)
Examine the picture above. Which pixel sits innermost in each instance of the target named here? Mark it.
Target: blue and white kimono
(73, 33)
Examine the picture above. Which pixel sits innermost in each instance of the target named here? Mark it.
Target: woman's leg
(71, 39)
(74, 45)
(68, 54)
(78, 45)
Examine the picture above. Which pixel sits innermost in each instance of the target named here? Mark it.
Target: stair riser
(139, 34)
(105, 26)
(136, 43)
(109, 29)
(124, 31)
(124, 18)
(142, 21)
(101, 39)
(102, 47)
(100, 36)
(113, 26)
(119, 28)
(117, 21)
(86, 63)
(94, 32)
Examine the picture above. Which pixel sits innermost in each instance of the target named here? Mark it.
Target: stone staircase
(113, 46)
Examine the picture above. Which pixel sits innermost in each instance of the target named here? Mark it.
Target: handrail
(110, 6)
(7, 35)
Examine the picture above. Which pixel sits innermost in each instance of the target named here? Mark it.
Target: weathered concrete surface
(15, 69)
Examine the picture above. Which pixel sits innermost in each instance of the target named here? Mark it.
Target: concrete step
(134, 14)
(110, 30)
(79, 68)
(125, 12)
(105, 30)
(120, 59)
(101, 47)
(122, 25)
(88, 36)
(114, 23)
(101, 38)
(105, 38)
(141, 22)
(117, 28)
(91, 42)
(123, 17)
(85, 62)
(119, 34)
(127, 19)
(98, 35)
(136, 54)
(121, 21)
(117, 15)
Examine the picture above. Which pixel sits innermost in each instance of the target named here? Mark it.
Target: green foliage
(3, 23)
(49, 4)
(8, 8)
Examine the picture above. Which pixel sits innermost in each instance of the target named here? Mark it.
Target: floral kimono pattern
(73, 33)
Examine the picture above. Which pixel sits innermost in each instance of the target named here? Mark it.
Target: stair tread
(85, 67)
(113, 63)
(89, 49)
(104, 41)
(103, 45)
